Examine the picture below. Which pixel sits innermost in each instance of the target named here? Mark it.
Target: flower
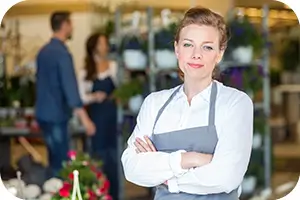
(92, 195)
(93, 183)
(99, 175)
(105, 186)
(107, 197)
(72, 155)
(71, 176)
(65, 190)
(85, 163)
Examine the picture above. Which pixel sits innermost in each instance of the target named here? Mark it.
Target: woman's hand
(142, 146)
(99, 96)
(194, 159)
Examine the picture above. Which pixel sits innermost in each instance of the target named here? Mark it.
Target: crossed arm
(191, 172)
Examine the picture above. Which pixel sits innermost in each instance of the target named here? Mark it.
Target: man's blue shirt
(56, 84)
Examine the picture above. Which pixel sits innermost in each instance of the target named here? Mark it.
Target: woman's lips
(193, 65)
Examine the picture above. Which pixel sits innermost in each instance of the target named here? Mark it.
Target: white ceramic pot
(165, 59)
(135, 103)
(257, 141)
(248, 184)
(3, 112)
(135, 59)
(243, 54)
(29, 111)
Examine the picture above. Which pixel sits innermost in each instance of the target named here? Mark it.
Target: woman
(98, 81)
(193, 141)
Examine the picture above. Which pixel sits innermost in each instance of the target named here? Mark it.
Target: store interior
(266, 60)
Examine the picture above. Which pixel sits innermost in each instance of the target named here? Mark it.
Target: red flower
(107, 197)
(92, 195)
(105, 187)
(65, 190)
(99, 175)
(71, 176)
(94, 169)
(72, 155)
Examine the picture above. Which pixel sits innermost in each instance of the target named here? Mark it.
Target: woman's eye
(187, 45)
(208, 48)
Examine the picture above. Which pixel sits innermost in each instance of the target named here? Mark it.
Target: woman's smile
(194, 65)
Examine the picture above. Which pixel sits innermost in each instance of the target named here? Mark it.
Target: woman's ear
(220, 56)
(176, 49)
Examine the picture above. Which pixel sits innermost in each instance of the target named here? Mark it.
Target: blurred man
(57, 92)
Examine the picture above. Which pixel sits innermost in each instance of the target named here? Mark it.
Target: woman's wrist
(194, 159)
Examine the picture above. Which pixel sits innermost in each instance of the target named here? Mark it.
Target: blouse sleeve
(151, 168)
(85, 87)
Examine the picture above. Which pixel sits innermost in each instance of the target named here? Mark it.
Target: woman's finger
(144, 144)
(150, 144)
(139, 147)
(137, 151)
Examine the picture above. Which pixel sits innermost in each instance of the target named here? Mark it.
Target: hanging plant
(127, 90)
(290, 55)
(243, 33)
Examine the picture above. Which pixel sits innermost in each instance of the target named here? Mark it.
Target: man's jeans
(56, 138)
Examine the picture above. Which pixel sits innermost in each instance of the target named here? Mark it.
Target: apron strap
(164, 106)
(212, 104)
(213, 97)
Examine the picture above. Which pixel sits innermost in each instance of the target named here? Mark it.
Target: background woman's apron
(199, 139)
(104, 142)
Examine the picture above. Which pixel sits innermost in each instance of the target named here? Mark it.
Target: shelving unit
(152, 72)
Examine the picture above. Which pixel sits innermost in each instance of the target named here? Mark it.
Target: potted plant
(289, 57)
(130, 94)
(93, 183)
(164, 47)
(245, 40)
(133, 52)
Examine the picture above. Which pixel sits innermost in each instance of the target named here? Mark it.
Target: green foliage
(93, 183)
(164, 38)
(243, 33)
(290, 55)
(129, 89)
(134, 42)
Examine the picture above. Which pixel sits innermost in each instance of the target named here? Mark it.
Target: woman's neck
(192, 88)
(102, 65)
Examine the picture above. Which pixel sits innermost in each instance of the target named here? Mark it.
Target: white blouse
(234, 124)
(85, 87)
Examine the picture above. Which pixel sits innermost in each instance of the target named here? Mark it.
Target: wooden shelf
(287, 150)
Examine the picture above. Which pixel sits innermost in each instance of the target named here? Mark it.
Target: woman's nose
(197, 54)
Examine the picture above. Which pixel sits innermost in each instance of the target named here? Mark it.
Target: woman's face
(198, 51)
(102, 46)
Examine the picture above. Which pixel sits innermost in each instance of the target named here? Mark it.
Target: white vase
(165, 59)
(257, 141)
(135, 103)
(3, 112)
(248, 184)
(243, 54)
(135, 59)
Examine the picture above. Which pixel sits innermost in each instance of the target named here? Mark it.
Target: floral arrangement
(93, 183)
(134, 42)
(289, 55)
(127, 90)
(243, 33)
(248, 79)
(164, 38)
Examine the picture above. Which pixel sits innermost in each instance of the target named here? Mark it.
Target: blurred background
(262, 59)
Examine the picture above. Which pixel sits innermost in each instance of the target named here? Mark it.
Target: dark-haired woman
(97, 82)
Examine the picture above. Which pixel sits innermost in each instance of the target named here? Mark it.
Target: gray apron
(199, 139)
